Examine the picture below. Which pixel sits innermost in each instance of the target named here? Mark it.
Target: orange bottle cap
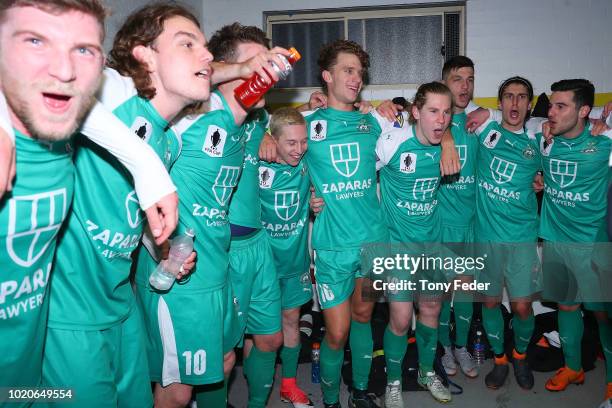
(294, 54)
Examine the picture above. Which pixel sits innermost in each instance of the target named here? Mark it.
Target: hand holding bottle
(181, 260)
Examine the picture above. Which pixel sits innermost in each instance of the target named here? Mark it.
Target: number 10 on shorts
(195, 363)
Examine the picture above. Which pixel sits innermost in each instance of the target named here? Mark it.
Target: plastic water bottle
(252, 90)
(315, 372)
(479, 349)
(164, 275)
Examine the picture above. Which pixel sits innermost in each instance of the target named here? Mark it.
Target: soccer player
(199, 314)
(408, 154)
(576, 177)
(342, 164)
(506, 226)
(456, 200)
(251, 265)
(50, 66)
(92, 307)
(284, 191)
(47, 105)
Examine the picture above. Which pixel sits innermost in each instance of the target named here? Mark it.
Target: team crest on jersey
(215, 141)
(408, 162)
(142, 128)
(399, 121)
(318, 130)
(226, 180)
(286, 204)
(132, 207)
(546, 146)
(424, 188)
(528, 153)
(492, 139)
(45, 213)
(249, 128)
(590, 148)
(563, 172)
(345, 158)
(363, 126)
(502, 170)
(462, 152)
(266, 177)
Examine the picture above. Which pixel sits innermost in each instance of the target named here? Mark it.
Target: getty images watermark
(404, 272)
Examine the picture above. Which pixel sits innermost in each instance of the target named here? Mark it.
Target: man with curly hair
(194, 320)
(92, 304)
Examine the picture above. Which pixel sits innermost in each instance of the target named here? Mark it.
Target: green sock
(427, 342)
(331, 364)
(571, 328)
(259, 371)
(212, 395)
(444, 324)
(493, 323)
(289, 356)
(395, 349)
(463, 308)
(605, 336)
(523, 329)
(361, 344)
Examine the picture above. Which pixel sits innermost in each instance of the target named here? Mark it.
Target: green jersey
(576, 181)
(409, 179)
(242, 211)
(341, 159)
(30, 218)
(458, 192)
(506, 206)
(206, 173)
(91, 290)
(284, 194)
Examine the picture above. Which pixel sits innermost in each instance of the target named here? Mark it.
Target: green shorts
(571, 275)
(599, 307)
(188, 334)
(335, 274)
(424, 284)
(105, 368)
(514, 265)
(460, 241)
(453, 233)
(295, 290)
(255, 284)
(22, 339)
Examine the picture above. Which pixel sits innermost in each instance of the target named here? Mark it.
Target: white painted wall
(543, 40)
(120, 9)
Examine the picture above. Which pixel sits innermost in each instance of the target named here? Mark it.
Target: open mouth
(514, 114)
(56, 102)
(203, 74)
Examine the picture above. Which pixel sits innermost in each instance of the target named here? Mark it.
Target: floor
(475, 395)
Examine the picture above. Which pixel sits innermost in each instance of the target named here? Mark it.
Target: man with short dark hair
(457, 196)
(48, 93)
(576, 176)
